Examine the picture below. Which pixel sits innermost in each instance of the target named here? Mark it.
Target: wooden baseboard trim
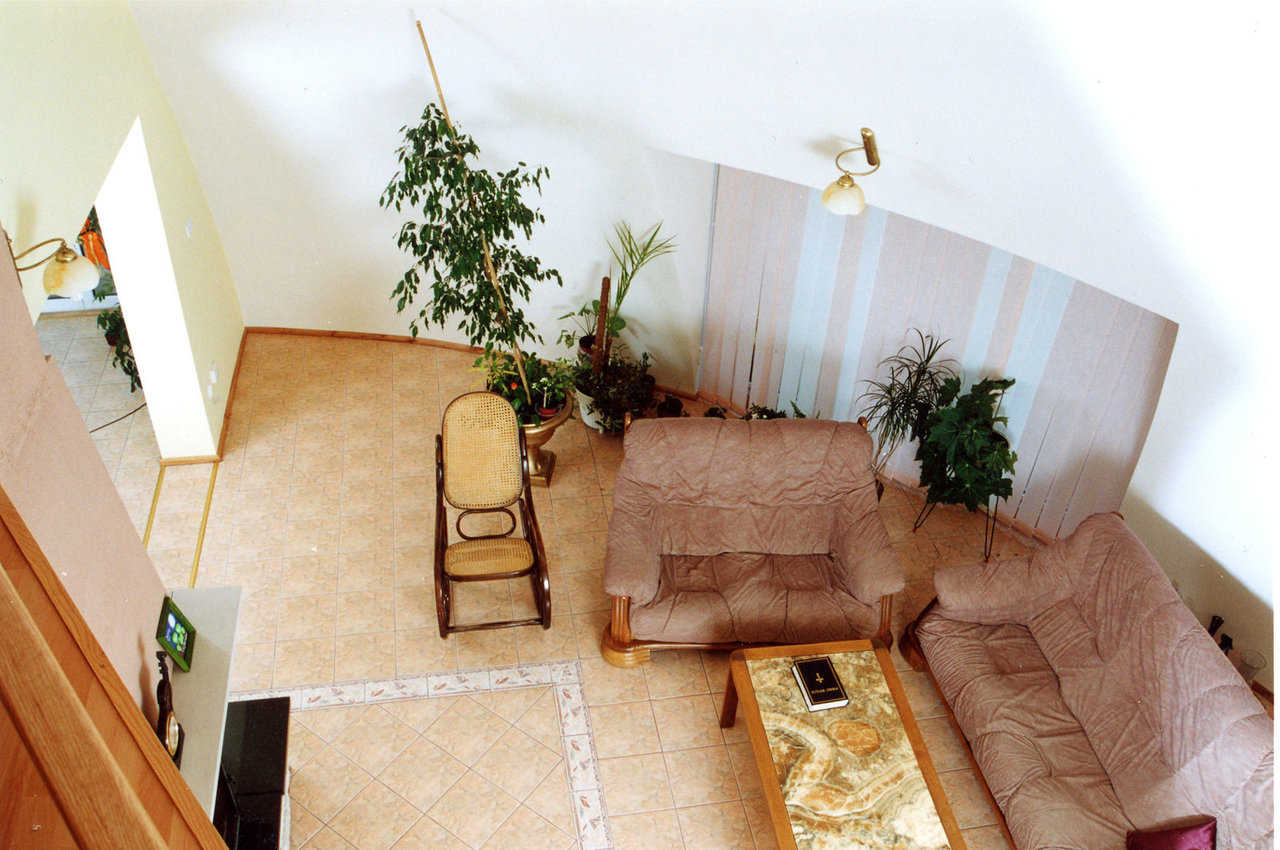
(231, 393)
(684, 394)
(155, 501)
(435, 343)
(188, 461)
(716, 401)
(71, 314)
(405, 338)
(204, 524)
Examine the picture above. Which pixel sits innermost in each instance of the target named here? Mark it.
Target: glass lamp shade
(844, 197)
(68, 274)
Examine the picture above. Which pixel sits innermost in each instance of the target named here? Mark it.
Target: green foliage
(585, 320)
(549, 381)
(622, 386)
(462, 206)
(758, 411)
(106, 285)
(631, 255)
(670, 406)
(963, 458)
(117, 333)
(897, 407)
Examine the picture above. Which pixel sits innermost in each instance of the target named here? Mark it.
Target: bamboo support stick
(599, 357)
(489, 271)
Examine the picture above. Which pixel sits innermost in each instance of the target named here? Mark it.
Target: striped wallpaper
(802, 306)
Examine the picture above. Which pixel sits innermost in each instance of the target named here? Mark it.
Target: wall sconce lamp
(68, 274)
(844, 196)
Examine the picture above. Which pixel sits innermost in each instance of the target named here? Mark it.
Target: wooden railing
(82, 767)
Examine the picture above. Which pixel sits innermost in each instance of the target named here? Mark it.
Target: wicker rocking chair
(482, 467)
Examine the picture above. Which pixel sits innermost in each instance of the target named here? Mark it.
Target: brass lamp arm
(872, 151)
(61, 247)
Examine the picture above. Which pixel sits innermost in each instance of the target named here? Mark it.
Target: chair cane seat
(470, 558)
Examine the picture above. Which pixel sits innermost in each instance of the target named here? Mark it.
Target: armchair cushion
(752, 598)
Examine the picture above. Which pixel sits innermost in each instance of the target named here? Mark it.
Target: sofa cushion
(751, 597)
(1033, 754)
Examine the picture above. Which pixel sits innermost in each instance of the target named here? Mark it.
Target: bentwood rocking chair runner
(482, 468)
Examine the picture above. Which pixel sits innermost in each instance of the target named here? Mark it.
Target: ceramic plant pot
(543, 463)
(584, 412)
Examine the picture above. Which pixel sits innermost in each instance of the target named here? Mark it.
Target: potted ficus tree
(465, 251)
(963, 458)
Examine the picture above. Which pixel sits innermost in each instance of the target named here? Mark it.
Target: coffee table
(856, 776)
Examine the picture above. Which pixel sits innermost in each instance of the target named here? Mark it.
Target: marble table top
(849, 776)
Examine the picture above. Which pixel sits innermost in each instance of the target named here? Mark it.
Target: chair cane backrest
(481, 452)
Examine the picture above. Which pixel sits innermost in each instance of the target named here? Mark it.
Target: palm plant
(896, 408)
(631, 255)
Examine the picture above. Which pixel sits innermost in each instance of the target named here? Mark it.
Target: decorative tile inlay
(575, 726)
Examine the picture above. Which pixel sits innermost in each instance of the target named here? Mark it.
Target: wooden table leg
(730, 710)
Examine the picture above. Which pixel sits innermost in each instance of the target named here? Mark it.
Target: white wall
(129, 211)
(1071, 132)
(73, 79)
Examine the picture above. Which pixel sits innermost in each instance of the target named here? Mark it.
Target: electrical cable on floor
(118, 418)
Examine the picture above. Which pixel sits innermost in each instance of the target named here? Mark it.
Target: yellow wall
(75, 77)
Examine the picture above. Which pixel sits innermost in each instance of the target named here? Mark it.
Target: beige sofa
(731, 532)
(1092, 699)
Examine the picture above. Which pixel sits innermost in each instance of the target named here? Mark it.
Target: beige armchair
(727, 533)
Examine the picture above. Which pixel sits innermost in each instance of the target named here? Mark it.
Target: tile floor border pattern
(585, 788)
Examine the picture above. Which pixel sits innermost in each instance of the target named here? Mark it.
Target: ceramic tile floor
(128, 448)
(322, 511)
(468, 771)
(75, 344)
(322, 514)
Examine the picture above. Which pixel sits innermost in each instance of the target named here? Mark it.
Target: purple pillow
(1200, 834)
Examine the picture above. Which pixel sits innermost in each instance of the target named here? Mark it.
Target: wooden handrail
(18, 543)
(92, 793)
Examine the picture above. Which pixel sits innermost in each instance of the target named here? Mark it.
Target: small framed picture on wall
(176, 634)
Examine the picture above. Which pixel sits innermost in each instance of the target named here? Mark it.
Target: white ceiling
(1061, 134)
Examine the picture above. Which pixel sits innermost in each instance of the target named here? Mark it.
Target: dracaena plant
(463, 238)
(897, 406)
